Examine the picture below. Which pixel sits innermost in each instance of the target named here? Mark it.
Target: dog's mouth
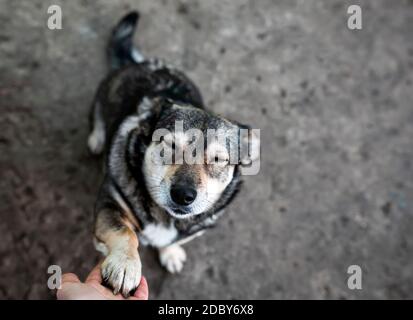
(178, 213)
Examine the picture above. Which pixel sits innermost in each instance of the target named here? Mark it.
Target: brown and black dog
(143, 198)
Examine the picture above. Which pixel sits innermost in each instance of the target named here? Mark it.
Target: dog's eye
(221, 161)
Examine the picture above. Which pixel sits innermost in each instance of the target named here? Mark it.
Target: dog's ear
(249, 149)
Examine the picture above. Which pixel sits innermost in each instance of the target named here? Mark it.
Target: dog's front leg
(117, 239)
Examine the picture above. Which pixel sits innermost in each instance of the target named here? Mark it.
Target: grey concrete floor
(336, 114)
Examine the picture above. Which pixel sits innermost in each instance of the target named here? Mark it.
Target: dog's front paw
(122, 272)
(172, 258)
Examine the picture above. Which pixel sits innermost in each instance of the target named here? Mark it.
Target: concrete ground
(335, 111)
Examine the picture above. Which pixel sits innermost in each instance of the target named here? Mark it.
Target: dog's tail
(121, 50)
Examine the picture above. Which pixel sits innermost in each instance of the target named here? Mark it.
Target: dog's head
(191, 159)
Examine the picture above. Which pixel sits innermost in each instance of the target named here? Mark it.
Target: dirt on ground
(335, 111)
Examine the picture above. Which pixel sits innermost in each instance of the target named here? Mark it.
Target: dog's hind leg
(172, 258)
(96, 140)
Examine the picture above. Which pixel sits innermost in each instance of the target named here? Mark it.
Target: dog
(143, 199)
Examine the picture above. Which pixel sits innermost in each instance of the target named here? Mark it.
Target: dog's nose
(182, 194)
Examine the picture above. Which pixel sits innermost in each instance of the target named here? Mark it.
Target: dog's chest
(158, 235)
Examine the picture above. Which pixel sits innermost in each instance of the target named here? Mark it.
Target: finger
(95, 275)
(70, 278)
(142, 292)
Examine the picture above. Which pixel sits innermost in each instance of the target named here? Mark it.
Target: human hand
(92, 289)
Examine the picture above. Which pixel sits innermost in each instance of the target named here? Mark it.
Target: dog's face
(187, 165)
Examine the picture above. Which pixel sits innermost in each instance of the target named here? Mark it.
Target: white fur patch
(101, 247)
(96, 140)
(132, 123)
(137, 56)
(172, 258)
(158, 235)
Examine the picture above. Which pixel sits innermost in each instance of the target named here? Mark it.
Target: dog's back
(132, 78)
